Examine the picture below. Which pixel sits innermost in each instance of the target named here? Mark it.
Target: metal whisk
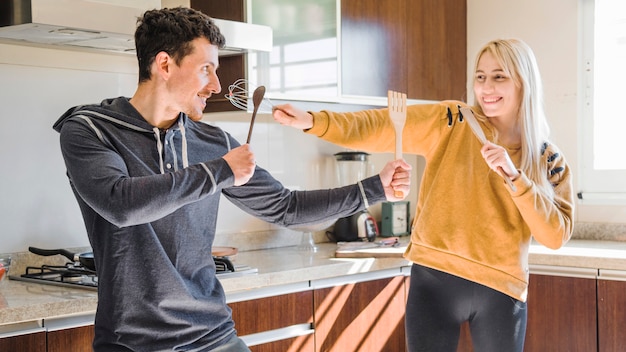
(240, 95)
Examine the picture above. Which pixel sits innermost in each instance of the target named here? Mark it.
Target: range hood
(105, 25)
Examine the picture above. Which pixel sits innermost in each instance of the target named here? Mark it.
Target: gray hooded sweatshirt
(149, 200)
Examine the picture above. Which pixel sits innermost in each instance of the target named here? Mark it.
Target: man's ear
(161, 64)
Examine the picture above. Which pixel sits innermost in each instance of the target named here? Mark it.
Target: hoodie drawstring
(157, 135)
(181, 125)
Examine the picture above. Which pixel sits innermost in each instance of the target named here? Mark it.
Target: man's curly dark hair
(171, 30)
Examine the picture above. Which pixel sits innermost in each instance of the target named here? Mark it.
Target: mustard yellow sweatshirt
(468, 222)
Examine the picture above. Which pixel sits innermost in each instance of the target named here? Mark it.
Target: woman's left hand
(498, 159)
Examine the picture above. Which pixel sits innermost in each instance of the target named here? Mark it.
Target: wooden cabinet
(465, 339)
(275, 313)
(611, 315)
(78, 339)
(363, 316)
(418, 47)
(374, 47)
(561, 314)
(34, 342)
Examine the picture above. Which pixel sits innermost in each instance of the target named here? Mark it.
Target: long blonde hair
(518, 61)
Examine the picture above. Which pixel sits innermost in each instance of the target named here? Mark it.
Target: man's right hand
(241, 162)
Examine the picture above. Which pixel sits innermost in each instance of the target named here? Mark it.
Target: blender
(361, 226)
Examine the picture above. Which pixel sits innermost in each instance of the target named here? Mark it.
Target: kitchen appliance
(395, 219)
(75, 274)
(352, 167)
(358, 227)
(107, 25)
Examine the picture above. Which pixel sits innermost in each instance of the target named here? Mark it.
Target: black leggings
(439, 303)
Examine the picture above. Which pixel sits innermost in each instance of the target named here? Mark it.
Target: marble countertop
(21, 301)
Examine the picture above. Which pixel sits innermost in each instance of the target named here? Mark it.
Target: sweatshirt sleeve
(373, 131)
(551, 221)
(101, 178)
(266, 198)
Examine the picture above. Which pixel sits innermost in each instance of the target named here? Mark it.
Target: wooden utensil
(468, 114)
(223, 251)
(396, 103)
(257, 98)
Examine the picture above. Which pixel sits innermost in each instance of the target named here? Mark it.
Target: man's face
(195, 80)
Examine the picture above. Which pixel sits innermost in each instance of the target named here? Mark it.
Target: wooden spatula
(397, 113)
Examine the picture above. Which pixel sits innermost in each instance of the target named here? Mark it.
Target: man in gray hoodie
(148, 175)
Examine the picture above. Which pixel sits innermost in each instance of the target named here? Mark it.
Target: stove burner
(223, 264)
(76, 275)
(71, 274)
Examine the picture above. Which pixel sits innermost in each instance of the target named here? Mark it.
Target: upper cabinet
(415, 46)
(337, 50)
(231, 67)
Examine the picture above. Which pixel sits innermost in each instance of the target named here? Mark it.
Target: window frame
(596, 186)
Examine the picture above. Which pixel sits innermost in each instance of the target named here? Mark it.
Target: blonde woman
(471, 233)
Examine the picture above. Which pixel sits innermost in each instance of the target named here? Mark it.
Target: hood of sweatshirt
(120, 112)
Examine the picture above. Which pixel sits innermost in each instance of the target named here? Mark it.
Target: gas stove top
(76, 275)
(69, 275)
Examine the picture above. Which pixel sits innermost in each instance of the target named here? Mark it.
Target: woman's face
(494, 90)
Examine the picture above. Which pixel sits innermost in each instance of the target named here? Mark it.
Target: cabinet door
(561, 314)
(465, 339)
(366, 316)
(611, 315)
(35, 342)
(374, 47)
(418, 47)
(271, 313)
(437, 49)
(75, 339)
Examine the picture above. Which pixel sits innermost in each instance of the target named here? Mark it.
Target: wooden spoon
(257, 98)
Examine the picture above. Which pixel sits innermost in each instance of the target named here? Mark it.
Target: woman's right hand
(288, 115)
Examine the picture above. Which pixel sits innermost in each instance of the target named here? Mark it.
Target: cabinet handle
(553, 270)
(19, 329)
(278, 334)
(614, 275)
(69, 322)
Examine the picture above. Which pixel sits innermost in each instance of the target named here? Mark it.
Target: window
(603, 175)
(304, 61)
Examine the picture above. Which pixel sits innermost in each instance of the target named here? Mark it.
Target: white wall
(551, 28)
(38, 84)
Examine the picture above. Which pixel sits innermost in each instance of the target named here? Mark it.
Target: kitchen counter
(23, 302)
